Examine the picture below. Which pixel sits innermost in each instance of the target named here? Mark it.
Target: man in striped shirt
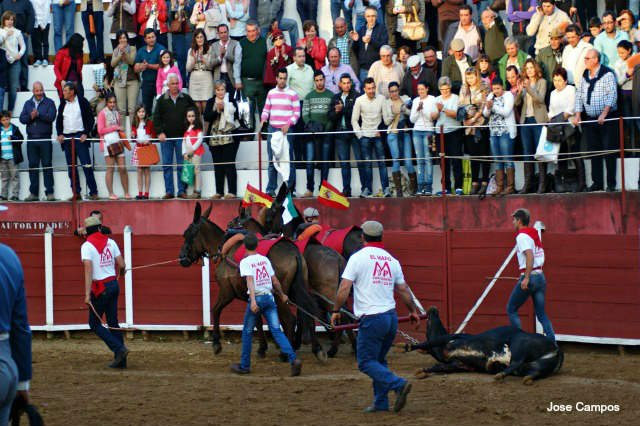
(282, 110)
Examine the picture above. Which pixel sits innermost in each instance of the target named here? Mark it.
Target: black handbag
(566, 180)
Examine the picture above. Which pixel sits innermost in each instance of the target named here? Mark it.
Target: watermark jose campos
(583, 407)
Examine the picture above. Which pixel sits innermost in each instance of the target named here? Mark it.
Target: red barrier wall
(593, 280)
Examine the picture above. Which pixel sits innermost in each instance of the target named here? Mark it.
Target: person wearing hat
(280, 56)
(456, 64)
(551, 56)
(311, 216)
(103, 264)
(374, 275)
(416, 73)
(532, 281)
(15, 333)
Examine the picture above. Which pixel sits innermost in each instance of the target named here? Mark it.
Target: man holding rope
(100, 256)
(374, 274)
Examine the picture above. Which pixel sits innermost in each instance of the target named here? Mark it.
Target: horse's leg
(335, 342)
(316, 347)
(225, 296)
(287, 321)
(352, 338)
(262, 349)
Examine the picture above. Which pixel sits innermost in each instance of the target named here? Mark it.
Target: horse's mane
(262, 216)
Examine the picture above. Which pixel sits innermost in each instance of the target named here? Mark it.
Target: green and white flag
(289, 210)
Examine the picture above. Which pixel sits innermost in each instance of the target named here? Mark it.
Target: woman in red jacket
(315, 47)
(153, 14)
(278, 57)
(68, 65)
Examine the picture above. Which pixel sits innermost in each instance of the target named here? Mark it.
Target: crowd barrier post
(442, 161)
(74, 215)
(128, 277)
(206, 296)
(48, 275)
(622, 188)
(260, 160)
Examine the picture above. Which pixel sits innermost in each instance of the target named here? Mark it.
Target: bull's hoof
(283, 357)
(321, 356)
(420, 374)
(499, 377)
(528, 380)
(217, 348)
(332, 352)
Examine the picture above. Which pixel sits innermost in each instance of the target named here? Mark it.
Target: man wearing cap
(551, 56)
(101, 256)
(456, 64)
(532, 281)
(416, 74)
(82, 232)
(374, 275)
(311, 216)
(15, 334)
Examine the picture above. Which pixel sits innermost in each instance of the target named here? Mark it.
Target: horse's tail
(301, 296)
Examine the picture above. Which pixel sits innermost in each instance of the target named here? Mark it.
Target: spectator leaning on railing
(38, 114)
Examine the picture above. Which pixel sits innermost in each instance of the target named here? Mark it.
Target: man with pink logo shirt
(282, 110)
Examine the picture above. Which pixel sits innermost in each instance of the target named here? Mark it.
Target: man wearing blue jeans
(63, 17)
(261, 282)
(146, 65)
(532, 281)
(374, 275)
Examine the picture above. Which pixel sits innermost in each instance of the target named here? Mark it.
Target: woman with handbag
(199, 65)
(400, 13)
(473, 95)
(143, 133)
(563, 101)
(110, 130)
(180, 29)
(221, 113)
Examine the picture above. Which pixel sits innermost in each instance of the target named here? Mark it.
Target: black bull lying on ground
(501, 351)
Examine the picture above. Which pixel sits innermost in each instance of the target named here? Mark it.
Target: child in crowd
(142, 133)
(167, 66)
(625, 81)
(487, 74)
(40, 35)
(192, 148)
(11, 141)
(595, 27)
(103, 86)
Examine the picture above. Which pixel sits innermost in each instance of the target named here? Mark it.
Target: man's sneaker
(294, 194)
(459, 191)
(365, 193)
(14, 198)
(401, 398)
(32, 197)
(296, 368)
(373, 409)
(446, 192)
(167, 196)
(37, 63)
(387, 192)
(239, 370)
(50, 197)
(271, 194)
(45, 63)
(307, 194)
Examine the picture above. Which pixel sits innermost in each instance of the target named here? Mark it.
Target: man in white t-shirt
(261, 281)
(375, 275)
(532, 281)
(101, 256)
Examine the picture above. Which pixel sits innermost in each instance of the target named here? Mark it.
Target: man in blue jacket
(15, 333)
(368, 40)
(76, 124)
(4, 76)
(38, 114)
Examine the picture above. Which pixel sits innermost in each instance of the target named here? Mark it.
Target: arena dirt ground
(171, 381)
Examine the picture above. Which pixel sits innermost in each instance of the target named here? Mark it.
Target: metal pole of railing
(442, 161)
(74, 216)
(260, 160)
(623, 190)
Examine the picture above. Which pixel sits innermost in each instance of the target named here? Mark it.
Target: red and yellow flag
(255, 196)
(331, 197)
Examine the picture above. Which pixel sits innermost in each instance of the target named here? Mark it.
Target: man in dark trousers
(103, 264)
(375, 275)
(368, 41)
(169, 123)
(15, 334)
(75, 120)
(38, 114)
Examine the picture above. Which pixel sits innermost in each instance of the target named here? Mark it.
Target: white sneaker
(37, 63)
(45, 63)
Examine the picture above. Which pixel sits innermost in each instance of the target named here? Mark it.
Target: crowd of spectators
(183, 70)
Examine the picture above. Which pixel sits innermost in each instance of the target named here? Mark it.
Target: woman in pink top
(167, 66)
(315, 47)
(109, 129)
(192, 148)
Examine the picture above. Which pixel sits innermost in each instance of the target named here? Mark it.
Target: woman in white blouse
(12, 42)
(423, 112)
(562, 101)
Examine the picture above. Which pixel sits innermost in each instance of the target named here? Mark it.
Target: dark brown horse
(204, 238)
